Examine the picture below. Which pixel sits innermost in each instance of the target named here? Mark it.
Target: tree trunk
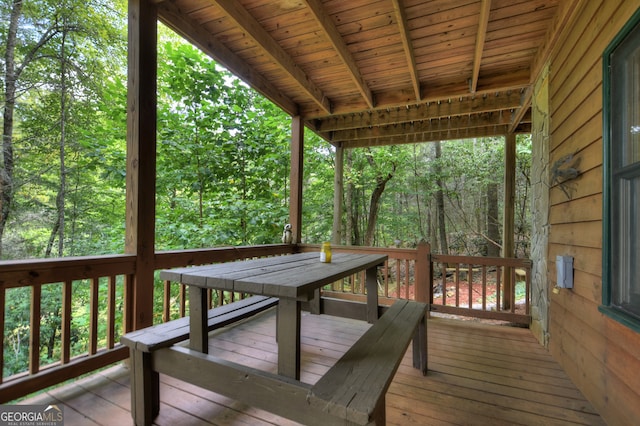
(10, 78)
(348, 204)
(12, 73)
(374, 206)
(60, 201)
(442, 230)
(493, 227)
(374, 202)
(58, 228)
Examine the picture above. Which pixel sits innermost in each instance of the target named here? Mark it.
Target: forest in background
(223, 161)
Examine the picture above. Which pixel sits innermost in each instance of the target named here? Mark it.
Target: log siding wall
(600, 355)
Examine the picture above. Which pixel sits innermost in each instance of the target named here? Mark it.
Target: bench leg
(379, 415)
(145, 389)
(420, 347)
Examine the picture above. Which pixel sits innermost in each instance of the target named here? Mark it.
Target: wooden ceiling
(377, 72)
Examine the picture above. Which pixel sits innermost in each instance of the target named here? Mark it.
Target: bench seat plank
(172, 332)
(354, 388)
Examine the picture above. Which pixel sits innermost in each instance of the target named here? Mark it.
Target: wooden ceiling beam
(454, 134)
(483, 23)
(402, 98)
(407, 43)
(432, 110)
(252, 28)
(170, 15)
(420, 127)
(330, 30)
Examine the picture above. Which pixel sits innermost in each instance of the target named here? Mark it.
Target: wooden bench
(354, 389)
(351, 392)
(145, 384)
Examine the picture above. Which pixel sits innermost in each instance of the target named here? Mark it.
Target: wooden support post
(338, 189)
(295, 177)
(141, 154)
(423, 283)
(509, 214)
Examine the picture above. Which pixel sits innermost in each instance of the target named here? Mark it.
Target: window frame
(608, 308)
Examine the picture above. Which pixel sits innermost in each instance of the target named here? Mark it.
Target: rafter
(408, 46)
(483, 23)
(235, 11)
(330, 30)
(171, 16)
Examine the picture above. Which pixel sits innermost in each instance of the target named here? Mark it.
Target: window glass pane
(633, 111)
(626, 250)
(625, 101)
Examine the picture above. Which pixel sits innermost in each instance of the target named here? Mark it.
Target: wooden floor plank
(478, 374)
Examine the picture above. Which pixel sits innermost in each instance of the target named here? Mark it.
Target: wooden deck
(478, 374)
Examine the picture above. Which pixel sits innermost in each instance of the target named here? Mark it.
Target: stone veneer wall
(540, 209)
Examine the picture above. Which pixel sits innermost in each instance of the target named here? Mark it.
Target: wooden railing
(107, 278)
(104, 286)
(481, 287)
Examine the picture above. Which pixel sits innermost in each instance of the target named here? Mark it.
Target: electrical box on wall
(564, 267)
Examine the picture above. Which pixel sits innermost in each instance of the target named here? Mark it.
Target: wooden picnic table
(293, 279)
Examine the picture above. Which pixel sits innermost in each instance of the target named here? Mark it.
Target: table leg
(198, 327)
(371, 281)
(288, 331)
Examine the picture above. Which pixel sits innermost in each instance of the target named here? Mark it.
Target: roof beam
(178, 21)
(483, 23)
(408, 46)
(426, 126)
(260, 36)
(454, 134)
(330, 30)
(431, 110)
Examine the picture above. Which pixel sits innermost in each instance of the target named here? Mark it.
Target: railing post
(423, 272)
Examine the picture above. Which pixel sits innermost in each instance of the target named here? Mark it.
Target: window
(621, 236)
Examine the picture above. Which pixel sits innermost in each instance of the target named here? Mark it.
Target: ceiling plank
(483, 23)
(174, 18)
(330, 30)
(407, 43)
(260, 36)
